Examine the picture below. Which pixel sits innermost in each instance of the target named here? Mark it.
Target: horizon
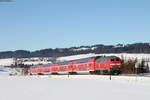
(34, 25)
(72, 47)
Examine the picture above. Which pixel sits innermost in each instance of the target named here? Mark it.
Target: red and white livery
(92, 65)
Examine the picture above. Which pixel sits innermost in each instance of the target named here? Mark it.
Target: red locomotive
(92, 65)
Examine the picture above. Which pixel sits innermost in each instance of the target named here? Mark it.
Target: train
(92, 65)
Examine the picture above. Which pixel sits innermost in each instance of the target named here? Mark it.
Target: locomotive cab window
(115, 59)
(101, 60)
(112, 59)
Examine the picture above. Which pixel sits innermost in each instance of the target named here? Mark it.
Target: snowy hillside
(97, 49)
(46, 60)
(27, 61)
(121, 55)
(77, 87)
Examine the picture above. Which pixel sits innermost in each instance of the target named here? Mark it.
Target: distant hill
(97, 49)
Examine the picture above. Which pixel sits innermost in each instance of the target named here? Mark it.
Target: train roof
(45, 65)
(82, 60)
(112, 56)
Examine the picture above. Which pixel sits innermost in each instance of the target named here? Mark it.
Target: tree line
(98, 49)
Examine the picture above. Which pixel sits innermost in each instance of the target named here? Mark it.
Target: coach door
(98, 64)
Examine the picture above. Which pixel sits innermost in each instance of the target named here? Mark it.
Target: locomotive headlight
(115, 64)
(118, 64)
(112, 64)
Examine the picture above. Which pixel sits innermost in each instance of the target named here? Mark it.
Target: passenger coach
(92, 65)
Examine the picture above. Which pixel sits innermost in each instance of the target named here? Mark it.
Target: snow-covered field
(6, 62)
(10, 61)
(75, 87)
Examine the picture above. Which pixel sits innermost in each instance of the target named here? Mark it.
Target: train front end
(115, 65)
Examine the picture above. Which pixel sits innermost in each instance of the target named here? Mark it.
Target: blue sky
(40, 24)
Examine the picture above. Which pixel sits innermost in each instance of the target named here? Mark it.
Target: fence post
(110, 74)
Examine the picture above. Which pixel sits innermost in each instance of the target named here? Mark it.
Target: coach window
(34, 66)
(99, 60)
(105, 60)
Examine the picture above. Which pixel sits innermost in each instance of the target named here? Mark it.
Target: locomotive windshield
(101, 60)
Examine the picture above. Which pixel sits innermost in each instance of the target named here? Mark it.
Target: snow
(93, 48)
(6, 62)
(4, 71)
(79, 49)
(76, 87)
(121, 55)
(84, 48)
(66, 58)
(35, 61)
(119, 46)
(27, 61)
